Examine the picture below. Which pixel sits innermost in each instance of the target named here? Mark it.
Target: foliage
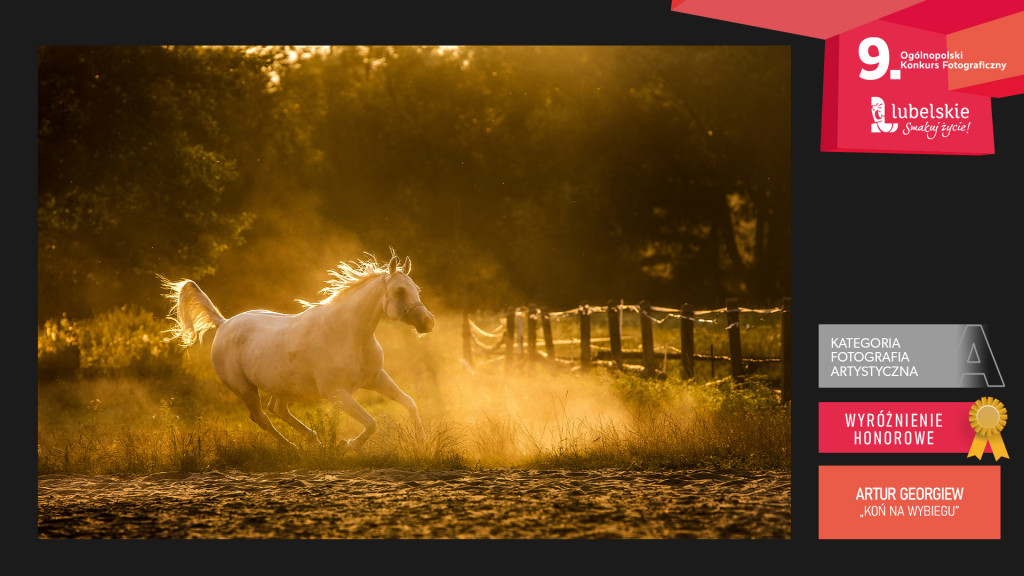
(549, 173)
(517, 173)
(136, 408)
(123, 340)
(58, 351)
(137, 147)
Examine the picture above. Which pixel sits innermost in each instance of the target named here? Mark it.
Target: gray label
(906, 356)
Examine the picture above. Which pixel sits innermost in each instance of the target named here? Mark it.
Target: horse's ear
(392, 264)
(407, 267)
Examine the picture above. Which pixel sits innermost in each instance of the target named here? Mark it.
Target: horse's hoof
(315, 438)
(353, 445)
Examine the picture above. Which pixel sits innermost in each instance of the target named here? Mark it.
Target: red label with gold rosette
(988, 418)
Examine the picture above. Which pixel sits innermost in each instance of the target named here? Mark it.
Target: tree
(509, 173)
(139, 146)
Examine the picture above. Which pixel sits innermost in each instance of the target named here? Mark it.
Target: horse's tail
(193, 312)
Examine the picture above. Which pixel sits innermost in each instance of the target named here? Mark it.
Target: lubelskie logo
(878, 116)
(931, 120)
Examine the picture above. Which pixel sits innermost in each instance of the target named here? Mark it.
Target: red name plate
(900, 427)
(908, 502)
(886, 89)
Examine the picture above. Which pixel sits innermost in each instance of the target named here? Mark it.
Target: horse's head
(402, 298)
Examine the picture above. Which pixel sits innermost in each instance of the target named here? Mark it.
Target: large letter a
(979, 364)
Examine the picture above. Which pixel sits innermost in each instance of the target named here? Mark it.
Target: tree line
(548, 174)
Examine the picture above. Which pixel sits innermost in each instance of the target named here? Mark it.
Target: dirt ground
(413, 504)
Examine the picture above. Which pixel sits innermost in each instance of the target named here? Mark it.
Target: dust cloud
(502, 411)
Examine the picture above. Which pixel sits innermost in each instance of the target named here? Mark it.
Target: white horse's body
(327, 351)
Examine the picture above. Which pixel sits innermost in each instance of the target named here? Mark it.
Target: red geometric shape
(948, 16)
(813, 18)
(909, 502)
(914, 113)
(905, 428)
(982, 31)
(995, 43)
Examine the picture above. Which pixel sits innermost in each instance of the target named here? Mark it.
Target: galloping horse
(326, 351)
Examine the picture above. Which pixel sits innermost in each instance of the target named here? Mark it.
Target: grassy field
(113, 398)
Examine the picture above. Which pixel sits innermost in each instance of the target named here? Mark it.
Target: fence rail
(513, 336)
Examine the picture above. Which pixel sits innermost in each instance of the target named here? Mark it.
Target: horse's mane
(348, 276)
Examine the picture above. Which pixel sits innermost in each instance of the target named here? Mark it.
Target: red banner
(909, 502)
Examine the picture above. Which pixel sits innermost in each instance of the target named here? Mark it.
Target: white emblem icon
(878, 116)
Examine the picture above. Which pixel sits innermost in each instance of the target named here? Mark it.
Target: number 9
(881, 61)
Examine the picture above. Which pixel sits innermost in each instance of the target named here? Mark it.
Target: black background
(876, 238)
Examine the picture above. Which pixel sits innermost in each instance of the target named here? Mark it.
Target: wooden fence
(518, 343)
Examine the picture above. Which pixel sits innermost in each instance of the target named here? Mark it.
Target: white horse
(326, 351)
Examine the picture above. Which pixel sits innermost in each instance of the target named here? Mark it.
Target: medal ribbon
(988, 418)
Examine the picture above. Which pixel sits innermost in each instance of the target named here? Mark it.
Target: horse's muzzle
(420, 319)
(427, 325)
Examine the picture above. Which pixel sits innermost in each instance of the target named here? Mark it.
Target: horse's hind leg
(280, 409)
(385, 386)
(250, 395)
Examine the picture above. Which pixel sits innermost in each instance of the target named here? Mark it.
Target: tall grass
(115, 399)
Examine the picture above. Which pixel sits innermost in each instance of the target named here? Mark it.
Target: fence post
(531, 331)
(467, 339)
(584, 337)
(647, 338)
(510, 335)
(686, 341)
(545, 324)
(615, 333)
(732, 316)
(712, 354)
(787, 363)
(519, 330)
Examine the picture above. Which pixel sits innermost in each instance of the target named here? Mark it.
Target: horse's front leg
(385, 386)
(353, 409)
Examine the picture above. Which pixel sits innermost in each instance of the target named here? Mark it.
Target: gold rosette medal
(988, 418)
